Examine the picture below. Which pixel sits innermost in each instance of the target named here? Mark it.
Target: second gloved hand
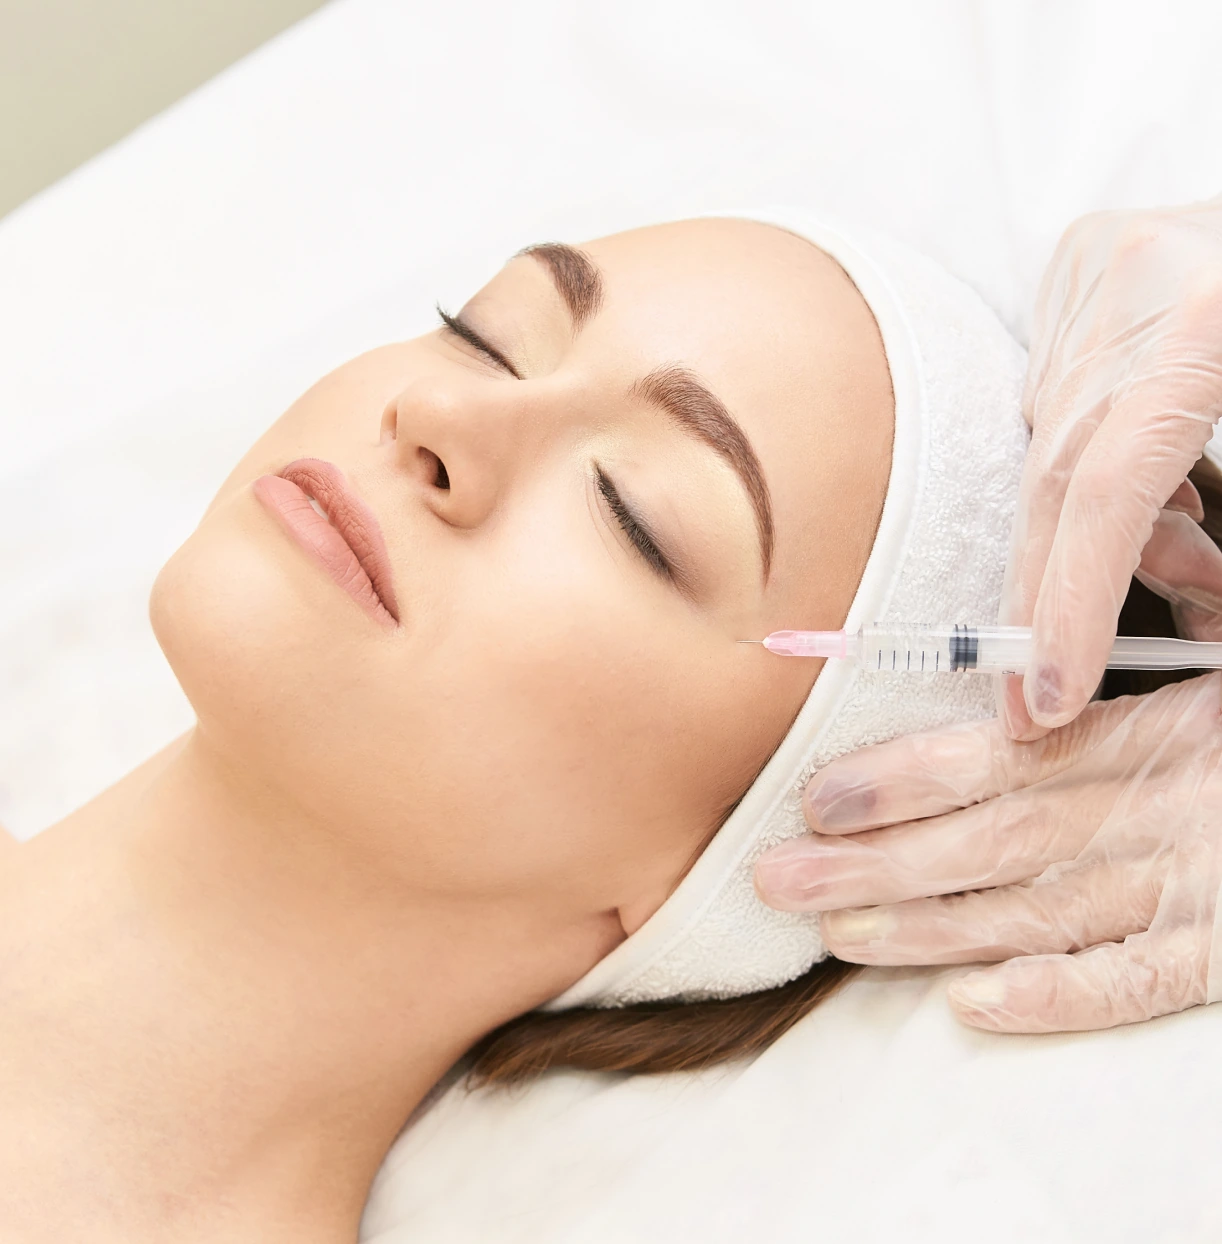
(1090, 860)
(1123, 389)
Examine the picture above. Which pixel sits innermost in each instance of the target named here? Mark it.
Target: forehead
(777, 329)
(764, 316)
(709, 252)
(717, 285)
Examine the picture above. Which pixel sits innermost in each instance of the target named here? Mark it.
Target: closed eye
(466, 333)
(633, 527)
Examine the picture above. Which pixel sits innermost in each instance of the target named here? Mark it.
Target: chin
(281, 668)
(235, 627)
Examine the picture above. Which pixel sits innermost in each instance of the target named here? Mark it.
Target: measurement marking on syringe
(981, 650)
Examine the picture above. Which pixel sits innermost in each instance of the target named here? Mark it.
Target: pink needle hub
(808, 643)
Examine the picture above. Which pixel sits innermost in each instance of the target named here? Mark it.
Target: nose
(456, 447)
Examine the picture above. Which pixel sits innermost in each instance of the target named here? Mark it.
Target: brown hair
(671, 1036)
(651, 1036)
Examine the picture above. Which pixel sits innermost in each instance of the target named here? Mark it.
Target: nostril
(434, 465)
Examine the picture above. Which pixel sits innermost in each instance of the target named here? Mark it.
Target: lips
(318, 510)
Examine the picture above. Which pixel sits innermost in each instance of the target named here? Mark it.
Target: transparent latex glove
(1124, 385)
(1089, 860)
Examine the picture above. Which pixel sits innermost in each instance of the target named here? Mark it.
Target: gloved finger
(1188, 501)
(992, 844)
(1147, 974)
(1012, 709)
(1203, 625)
(911, 777)
(923, 775)
(1066, 413)
(1060, 290)
(1080, 907)
(1059, 438)
(1182, 563)
(1133, 463)
(1047, 471)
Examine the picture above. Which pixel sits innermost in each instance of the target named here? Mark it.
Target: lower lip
(315, 535)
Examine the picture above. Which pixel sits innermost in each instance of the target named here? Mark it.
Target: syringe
(975, 649)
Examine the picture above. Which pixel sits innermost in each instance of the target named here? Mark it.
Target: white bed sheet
(162, 304)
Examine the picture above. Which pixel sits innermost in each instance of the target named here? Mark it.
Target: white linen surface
(162, 304)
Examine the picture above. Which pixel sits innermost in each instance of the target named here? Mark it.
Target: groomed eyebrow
(577, 279)
(673, 389)
(697, 410)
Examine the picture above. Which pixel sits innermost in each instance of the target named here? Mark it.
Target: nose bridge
(465, 441)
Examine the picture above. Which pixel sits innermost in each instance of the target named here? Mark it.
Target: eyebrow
(697, 410)
(576, 277)
(673, 389)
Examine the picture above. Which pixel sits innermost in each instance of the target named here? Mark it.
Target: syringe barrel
(944, 649)
(999, 649)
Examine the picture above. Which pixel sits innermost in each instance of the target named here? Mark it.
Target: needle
(748, 641)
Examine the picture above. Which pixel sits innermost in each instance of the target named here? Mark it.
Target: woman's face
(617, 462)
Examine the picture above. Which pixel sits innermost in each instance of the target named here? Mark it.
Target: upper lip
(352, 518)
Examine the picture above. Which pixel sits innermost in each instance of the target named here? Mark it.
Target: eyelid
(639, 535)
(461, 329)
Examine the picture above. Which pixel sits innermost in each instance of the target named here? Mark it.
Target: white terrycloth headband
(939, 555)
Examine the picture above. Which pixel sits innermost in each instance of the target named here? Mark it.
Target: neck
(220, 1012)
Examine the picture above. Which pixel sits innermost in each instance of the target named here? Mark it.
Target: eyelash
(641, 540)
(473, 339)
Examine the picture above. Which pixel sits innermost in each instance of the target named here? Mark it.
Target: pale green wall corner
(76, 75)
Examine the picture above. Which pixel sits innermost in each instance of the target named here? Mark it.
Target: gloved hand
(1090, 860)
(1124, 385)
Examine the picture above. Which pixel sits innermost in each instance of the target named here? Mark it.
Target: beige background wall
(75, 75)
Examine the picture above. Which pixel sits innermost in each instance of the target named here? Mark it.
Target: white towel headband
(939, 556)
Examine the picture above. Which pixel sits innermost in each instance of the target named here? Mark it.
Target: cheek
(570, 734)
